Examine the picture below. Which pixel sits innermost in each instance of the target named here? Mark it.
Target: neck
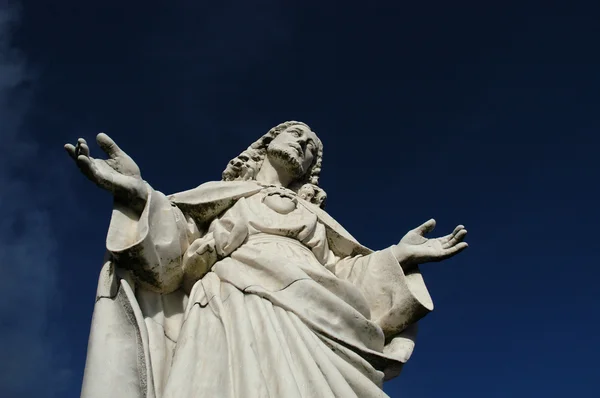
(269, 174)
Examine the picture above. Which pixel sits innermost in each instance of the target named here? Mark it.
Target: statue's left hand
(414, 248)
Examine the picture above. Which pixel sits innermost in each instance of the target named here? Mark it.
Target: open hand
(200, 256)
(414, 248)
(118, 174)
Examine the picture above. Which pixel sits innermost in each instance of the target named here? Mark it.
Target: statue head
(291, 146)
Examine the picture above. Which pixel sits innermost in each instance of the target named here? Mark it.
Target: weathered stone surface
(246, 287)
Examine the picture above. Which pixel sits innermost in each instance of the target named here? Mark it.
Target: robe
(288, 304)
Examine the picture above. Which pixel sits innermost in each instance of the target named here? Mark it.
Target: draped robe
(289, 305)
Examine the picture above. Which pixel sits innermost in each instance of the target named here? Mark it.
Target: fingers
(446, 238)
(82, 148)
(456, 230)
(86, 166)
(454, 250)
(75, 151)
(199, 247)
(196, 246)
(71, 151)
(457, 238)
(108, 145)
(426, 227)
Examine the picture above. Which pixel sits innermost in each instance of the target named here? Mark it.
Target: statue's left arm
(393, 286)
(397, 298)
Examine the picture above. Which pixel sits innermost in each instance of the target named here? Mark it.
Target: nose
(302, 140)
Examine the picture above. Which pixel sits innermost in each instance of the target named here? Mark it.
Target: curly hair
(246, 165)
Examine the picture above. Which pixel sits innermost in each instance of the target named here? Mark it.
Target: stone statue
(246, 287)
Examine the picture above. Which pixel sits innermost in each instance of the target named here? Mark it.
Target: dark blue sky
(468, 112)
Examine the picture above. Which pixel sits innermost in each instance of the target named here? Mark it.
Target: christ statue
(246, 287)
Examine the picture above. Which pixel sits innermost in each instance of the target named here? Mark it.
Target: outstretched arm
(392, 284)
(390, 279)
(147, 234)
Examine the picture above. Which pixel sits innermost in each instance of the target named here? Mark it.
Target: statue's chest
(278, 212)
(280, 202)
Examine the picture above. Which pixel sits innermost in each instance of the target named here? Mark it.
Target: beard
(288, 159)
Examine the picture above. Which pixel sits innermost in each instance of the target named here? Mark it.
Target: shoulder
(208, 200)
(215, 191)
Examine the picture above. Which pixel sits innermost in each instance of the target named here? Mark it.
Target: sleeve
(152, 244)
(397, 299)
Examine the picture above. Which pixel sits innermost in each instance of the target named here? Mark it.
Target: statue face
(242, 167)
(306, 192)
(294, 150)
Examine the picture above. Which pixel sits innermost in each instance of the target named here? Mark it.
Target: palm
(118, 174)
(121, 163)
(414, 247)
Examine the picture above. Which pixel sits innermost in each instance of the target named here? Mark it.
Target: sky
(477, 113)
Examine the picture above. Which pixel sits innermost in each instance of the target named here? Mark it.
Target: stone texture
(246, 287)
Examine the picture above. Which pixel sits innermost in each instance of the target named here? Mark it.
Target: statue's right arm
(151, 245)
(148, 234)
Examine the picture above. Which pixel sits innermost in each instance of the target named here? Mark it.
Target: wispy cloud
(28, 264)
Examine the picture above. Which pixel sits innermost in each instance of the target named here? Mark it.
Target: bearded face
(294, 150)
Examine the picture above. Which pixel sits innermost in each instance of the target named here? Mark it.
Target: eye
(296, 133)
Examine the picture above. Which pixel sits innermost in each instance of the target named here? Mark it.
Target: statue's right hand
(118, 174)
(197, 261)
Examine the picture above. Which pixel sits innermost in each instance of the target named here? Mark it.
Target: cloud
(28, 265)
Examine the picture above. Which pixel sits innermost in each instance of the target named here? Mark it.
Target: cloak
(135, 318)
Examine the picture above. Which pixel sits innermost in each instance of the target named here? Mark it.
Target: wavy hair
(246, 165)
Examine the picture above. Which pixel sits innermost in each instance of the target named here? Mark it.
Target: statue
(246, 287)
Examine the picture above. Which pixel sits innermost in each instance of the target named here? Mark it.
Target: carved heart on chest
(282, 204)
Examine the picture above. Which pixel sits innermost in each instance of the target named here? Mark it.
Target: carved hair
(246, 165)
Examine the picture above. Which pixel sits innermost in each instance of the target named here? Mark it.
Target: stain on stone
(134, 260)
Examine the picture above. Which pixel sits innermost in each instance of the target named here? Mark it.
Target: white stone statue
(245, 287)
